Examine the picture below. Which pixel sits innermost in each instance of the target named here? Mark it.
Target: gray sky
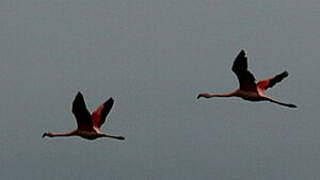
(154, 57)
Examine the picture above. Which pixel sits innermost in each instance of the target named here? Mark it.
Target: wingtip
(285, 73)
(79, 93)
(111, 99)
(241, 53)
(109, 102)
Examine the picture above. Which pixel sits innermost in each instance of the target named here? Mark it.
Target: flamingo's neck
(72, 133)
(223, 95)
(210, 95)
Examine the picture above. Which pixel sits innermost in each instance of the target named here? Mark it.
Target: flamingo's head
(205, 95)
(47, 134)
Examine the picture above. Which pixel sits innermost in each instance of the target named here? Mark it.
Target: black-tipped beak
(44, 135)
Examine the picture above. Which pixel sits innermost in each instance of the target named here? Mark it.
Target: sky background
(153, 57)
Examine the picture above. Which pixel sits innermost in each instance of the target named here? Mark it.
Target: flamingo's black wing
(269, 83)
(100, 114)
(81, 113)
(240, 68)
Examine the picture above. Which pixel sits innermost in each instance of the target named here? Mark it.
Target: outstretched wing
(100, 114)
(269, 83)
(245, 77)
(81, 113)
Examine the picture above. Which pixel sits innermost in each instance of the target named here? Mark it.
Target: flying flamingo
(249, 89)
(88, 125)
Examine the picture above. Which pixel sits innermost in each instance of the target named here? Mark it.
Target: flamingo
(88, 125)
(249, 89)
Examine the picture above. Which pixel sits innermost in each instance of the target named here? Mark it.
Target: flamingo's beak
(44, 135)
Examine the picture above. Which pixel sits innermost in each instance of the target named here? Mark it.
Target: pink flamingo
(88, 125)
(249, 89)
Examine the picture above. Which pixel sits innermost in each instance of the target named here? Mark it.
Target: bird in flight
(249, 89)
(88, 124)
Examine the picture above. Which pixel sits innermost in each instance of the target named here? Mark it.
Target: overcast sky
(153, 57)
